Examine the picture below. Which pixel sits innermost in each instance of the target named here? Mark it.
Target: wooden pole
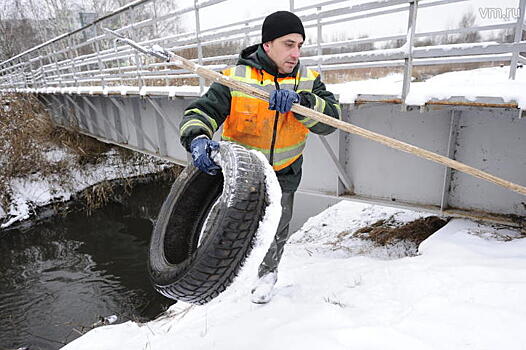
(350, 128)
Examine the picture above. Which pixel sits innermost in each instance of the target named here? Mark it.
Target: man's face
(285, 51)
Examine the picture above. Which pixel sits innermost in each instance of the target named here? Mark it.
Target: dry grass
(97, 196)
(385, 232)
(28, 133)
(28, 137)
(87, 150)
(25, 129)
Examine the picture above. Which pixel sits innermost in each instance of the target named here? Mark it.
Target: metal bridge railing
(80, 60)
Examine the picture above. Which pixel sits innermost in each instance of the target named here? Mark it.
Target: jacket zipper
(274, 131)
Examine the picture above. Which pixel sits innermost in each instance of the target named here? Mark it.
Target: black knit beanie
(281, 23)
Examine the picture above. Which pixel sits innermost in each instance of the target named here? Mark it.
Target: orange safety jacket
(279, 136)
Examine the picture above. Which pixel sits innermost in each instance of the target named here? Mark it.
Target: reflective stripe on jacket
(251, 124)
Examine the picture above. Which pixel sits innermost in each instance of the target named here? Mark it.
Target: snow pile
(388, 85)
(482, 82)
(471, 84)
(465, 290)
(331, 232)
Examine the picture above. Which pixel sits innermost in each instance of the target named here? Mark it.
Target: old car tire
(224, 210)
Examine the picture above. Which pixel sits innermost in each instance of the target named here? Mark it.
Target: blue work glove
(201, 148)
(282, 100)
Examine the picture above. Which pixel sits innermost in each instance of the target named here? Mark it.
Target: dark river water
(57, 279)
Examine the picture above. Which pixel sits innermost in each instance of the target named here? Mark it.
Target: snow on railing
(79, 59)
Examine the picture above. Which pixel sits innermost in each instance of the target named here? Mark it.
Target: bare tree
(16, 30)
(468, 21)
(25, 23)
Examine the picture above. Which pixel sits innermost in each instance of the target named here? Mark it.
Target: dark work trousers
(271, 260)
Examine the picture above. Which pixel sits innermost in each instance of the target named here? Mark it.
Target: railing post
(408, 67)
(56, 64)
(155, 20)
(13, 75)
(16, 71)
(9, 74)
(2, 76)
(519, 26)
(319, 39)
(199, 46)
(26, 74)
(97, 49)
(33, 80)
(156, 31)
(72, 58)
(247, 24)
(118, 62)
(291, 3)
(137, 57)
(42, 72)
(23, 73)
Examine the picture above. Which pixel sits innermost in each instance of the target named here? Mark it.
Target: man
(269, 127)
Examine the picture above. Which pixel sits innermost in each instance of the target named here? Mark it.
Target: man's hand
(201, 148)
(282, 100)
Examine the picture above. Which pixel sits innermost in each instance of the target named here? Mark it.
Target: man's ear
(266, 46)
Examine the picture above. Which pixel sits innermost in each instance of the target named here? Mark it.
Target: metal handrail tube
(416, 62)
(479, 49)
(134, 78)
(400, 8)
(355, 8)
(326, 3)
(403, 36)
(418, 52)
(132, 70)
(463, 59)
(11, 67)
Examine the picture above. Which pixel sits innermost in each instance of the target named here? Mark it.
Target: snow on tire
(206, 227)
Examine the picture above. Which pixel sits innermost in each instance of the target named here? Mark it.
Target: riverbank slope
(42, 166)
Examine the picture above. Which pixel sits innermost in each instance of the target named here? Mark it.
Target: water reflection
(59, 278)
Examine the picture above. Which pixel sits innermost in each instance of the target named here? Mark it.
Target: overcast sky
(435, 18)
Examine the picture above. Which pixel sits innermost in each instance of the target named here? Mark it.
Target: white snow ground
(482, 82)
(464, 291)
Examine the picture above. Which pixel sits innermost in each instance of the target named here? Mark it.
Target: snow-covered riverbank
(464, 290)
(33, 191)
(42, 165)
